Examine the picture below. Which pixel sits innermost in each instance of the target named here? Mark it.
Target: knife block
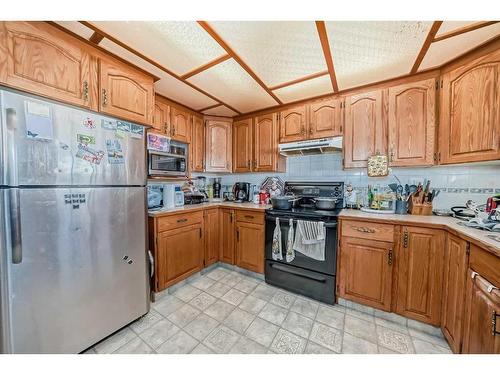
(419, 208)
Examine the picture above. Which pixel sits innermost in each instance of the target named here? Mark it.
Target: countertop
(196, 207)
(476, 236)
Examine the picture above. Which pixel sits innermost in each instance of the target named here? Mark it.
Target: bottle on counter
(179, 197)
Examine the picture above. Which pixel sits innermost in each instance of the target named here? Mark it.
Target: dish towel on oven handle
(290, 253)
(310, 239)
(276, 249)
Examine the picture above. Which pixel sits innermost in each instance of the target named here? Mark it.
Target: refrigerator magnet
(108, 124)
(123, 126)
(114, 151)
(89, 154)
(38, 120)
(85, 139)
(136, 131)
(89, 123)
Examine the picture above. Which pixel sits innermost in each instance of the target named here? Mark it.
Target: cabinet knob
(104, 97)
(389, 257)
(85, 90)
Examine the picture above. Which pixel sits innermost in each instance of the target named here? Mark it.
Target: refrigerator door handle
(15, 226)
(9, 162)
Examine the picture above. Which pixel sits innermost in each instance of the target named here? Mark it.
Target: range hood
(312, 147)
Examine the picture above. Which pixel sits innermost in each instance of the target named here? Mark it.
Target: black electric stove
(305, 275)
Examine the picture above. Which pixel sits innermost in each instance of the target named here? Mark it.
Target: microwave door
(167, 164)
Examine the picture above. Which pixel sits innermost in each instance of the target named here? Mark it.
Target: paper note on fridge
(38, 120)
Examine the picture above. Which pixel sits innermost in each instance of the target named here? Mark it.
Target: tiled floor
(224, 311)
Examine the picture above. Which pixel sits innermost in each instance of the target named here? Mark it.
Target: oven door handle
(297, 272)
(285, 221)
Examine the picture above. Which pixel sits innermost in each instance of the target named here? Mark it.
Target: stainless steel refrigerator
(73, 260)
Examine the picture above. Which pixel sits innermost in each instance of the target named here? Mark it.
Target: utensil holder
(420, 208)
(401, 207)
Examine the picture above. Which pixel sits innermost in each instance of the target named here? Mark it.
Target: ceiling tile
(180, 46)
(167, 85)
(220, 111)
(233, 85)
(312, 87)
(370, 51)
(277, 51)
(77, 28)
(448, 49)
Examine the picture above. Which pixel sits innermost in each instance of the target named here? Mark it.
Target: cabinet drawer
(486, 264)
(250, 217)
(178, 221)
(372, 231)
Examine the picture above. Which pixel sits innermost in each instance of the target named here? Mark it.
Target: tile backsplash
(457, 182)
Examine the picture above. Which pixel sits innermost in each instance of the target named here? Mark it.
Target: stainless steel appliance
(172, 163)
(73, 216)
(305, 275)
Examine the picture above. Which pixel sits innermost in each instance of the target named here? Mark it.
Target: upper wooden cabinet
(364, 132)
(266, 154)
(161, 115)
(218, 147)
(411, 127)
(180, 125)
(470, 112)
(242, 146)
(326, 118)
(292, 124)
(41, 59)
(197, 146)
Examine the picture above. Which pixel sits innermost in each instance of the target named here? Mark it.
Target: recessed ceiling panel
(220, 111)
(277, 51)
(313, 87)
(167, 85)
(448, 49)
(370, 51)
(77, 28)
(448, 26)
(233, 85)
(180, 46)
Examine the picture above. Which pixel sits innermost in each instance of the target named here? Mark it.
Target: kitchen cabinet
(293, 124)
(454, 281)
(197, 146)
(420, 274)
(326, 118)
(43, 60)
(411, 125)
(180, 125)
(365, 128)
(242, 146)
(266, 154)
(227, 231)
(470, 112)
(212, 239)
(125, 92)
(250, 240)
(161, 116)
(218, 146)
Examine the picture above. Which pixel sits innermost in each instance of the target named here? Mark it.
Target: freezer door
(45, 143)
(82, 271)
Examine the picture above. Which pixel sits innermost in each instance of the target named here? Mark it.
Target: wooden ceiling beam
(206, 66)
(463, 30)
(237, 58)
(325, 45)
(425, 47)
(299, 80)
(210, 107)
(96, 38)
(154, 63)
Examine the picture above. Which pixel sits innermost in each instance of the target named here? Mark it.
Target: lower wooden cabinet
(420, 274)
(454, 281)
(179, 254)
(226, 232)
(212, 239)
(366, 272)
(250, 246)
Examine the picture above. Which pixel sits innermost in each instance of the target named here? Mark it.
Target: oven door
(328, 266)
(163, 164)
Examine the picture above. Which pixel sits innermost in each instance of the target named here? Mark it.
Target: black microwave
(173, 163)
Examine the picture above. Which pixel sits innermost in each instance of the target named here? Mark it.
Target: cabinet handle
(238, 235)
(85, 90)
(172, 130)
(104, 97)
(231, 217)
(249, 216)
(165, 127)
(364, 229)
(303, 131)
(248, 164)
(406, 239)
(389, 257)
(311, 130)
(182, 220)
(494, 316)
(200, 232)
(227, 165)
(391, 155)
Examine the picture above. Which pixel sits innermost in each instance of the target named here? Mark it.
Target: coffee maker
(241, 192)
(216, 187)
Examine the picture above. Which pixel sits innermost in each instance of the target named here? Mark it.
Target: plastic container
(179, 197)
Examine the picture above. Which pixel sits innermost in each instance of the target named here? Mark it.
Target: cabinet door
(470, 112)
(482, 320)
(455, 271)
(420, 274)
(412, 124)
(325, 119)
(293, 124)
(366, 272)
(250, 246)
(180, 125)
(41, 59)
(218, 149)
(227, 236)
(266, 157)
(211, 225)
(197, 146)
(125, 92)
(161, 115)
(242, 146)
(180, 254)
(365, 131)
